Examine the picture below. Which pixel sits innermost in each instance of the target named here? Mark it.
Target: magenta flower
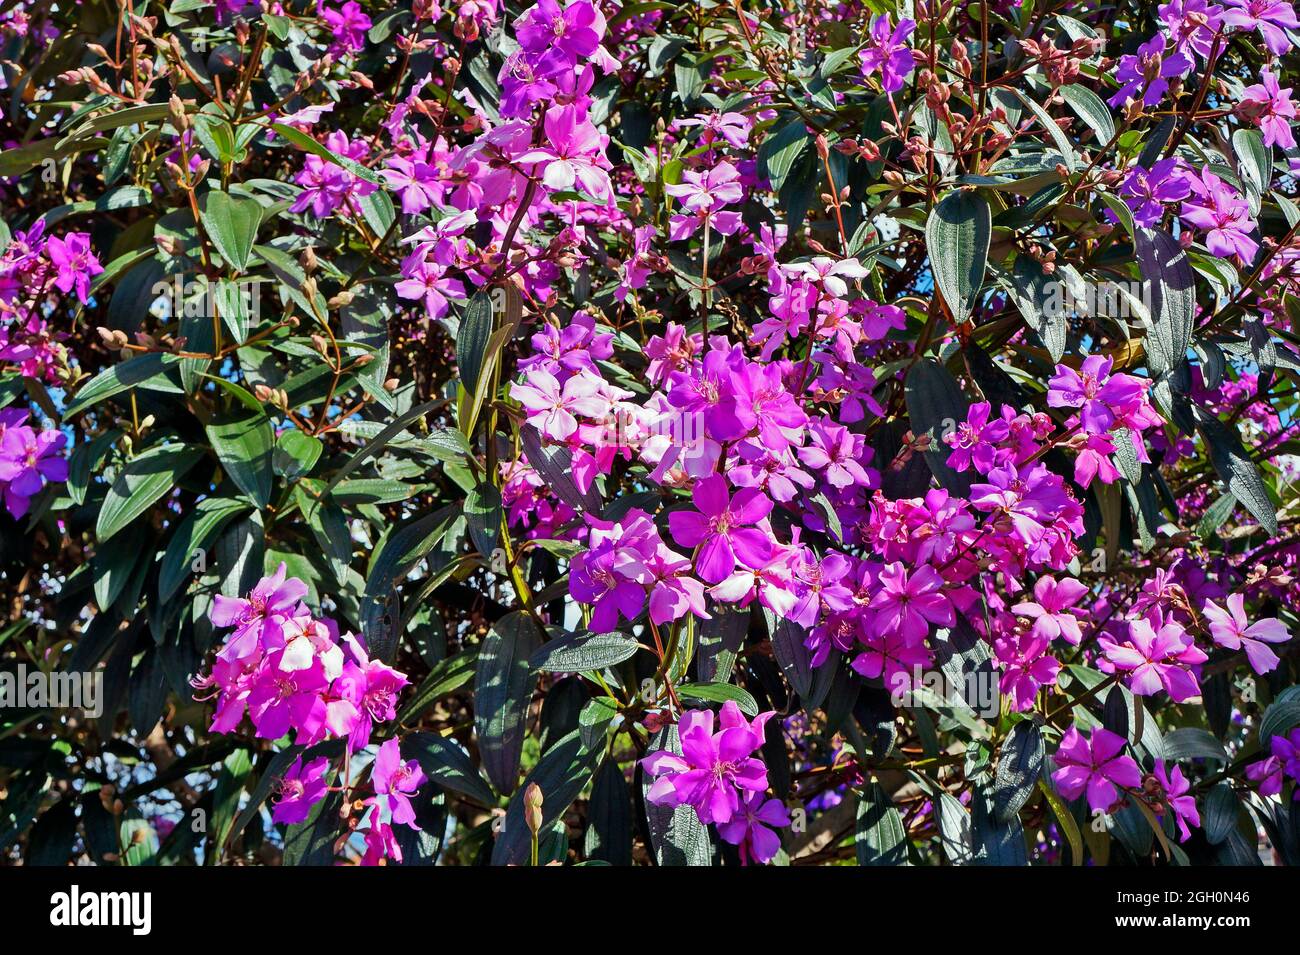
(1095, 766)
(1224, 215)
(284, 699)
(1272, 18)
(1026, 668)
(395, 782)
(27, 461)
(572, 153)
(75, 261)
(1147, 191)
(749, 830)
(372, 687)
(1154, 658)
(1100, 396)
(1176, 798)
(835, 450)
(1049, 608)
(1266, 774)
(908, 604)
(887, 52)
(1148, 73)
(712, 766)
(552, 407)
(300, 789)
(1232, 629)
(258, 618)
(976, 439)
(1269, 107)
(721, 529)
(1192, 24)
(349, 25)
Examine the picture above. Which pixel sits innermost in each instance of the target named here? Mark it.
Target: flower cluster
(291, 672)
(29, 459)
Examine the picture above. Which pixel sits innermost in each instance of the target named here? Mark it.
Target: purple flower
(552, 407)
(720, 528)
(573, 153)
(909, 603)
(1095, 766)
(1232, 629)
(1052, 600)
(1148, 72)
(1026, 668)
(1146, 191)
(1223, 214)
(1155, 657)
(1176, 788)
(887, 52)
(395, 782)
(712, 766)
(749, 828)
(1100, 396)
(975, 440)
(1272, 18)
(349, 26)
(75, 262)
(372, 688)
(300, 789)
(1269, 107)
(1192, 24)
(257, 619)
(27, 461)
(835, 450)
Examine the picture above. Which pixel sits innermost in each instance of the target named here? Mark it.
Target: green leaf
(1278, 720)
(720, 693)
(146, 371)
(1219, 810)
(957, 237)
(1037, 296)
(780, 150)
(196, 533)
(1237, 470)
(1191, 742)
(879, 835)
(472, 339)
(609, 817)
(1090, 108)
(300, 139)
(936, 406)
(447, 764)
(243, 446)
(577, 652)
(483, 515)
(295, 454)
(141, 483)
(503, 689)
(1167, 272)
(231, 223)
(311, 842)
(225, 801)
(447, 677)
(1020, 762)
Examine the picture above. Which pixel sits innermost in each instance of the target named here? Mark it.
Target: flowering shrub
(649, 433)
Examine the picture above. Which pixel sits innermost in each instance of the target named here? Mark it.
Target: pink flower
(258, 619)
(300, 789)
(908, 604)
(887, 52)
(1100, 396)
(551, 407)
(1052, 600)
(712, 766)
(1155, 658)
(720, 528)
(1269, 107)
(573, 153)
(75, 261)
(1096, 766)
(349, 26)
(749, 828)
(1232, 629)
(395, 782)
(1176, 797)
(1026, 668)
